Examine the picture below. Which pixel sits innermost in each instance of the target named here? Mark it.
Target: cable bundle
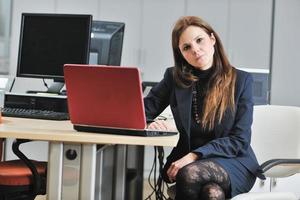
(159, 185)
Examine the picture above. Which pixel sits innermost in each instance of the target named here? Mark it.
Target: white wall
(147, 38)
(285, 86)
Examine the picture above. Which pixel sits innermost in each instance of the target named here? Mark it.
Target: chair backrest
(276, 132)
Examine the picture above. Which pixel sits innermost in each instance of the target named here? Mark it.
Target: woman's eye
(199, 40)
(185, 48)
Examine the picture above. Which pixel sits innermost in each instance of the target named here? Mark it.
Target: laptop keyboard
(34, 114)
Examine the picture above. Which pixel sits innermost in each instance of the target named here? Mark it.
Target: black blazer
(232, 135)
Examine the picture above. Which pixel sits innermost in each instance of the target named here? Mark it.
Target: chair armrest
(36, 176)
(285, 167)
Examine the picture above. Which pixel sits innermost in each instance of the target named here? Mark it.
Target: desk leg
(88, 172)
(63, 173)
(120, 172)
(54, 174)
(104, 172)
(71, 171)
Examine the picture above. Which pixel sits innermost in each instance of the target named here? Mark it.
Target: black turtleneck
(199, 136)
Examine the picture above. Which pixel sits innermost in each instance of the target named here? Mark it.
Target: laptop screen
(105, 96)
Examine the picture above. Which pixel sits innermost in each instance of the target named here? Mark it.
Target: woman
(212, 106)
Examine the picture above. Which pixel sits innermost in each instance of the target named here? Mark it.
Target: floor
(41, 197)
(147, 191)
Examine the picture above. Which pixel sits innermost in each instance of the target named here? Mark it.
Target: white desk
(62, 137)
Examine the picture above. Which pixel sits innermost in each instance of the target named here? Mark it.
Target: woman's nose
(195, 49)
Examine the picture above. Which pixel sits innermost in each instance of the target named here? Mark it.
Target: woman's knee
(189, 174)
(212, 191)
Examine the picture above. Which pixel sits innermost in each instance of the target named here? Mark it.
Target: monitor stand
(55, 87)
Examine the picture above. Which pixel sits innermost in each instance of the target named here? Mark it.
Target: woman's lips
(199, 57)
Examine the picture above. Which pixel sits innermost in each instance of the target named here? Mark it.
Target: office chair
(23, 178)
(274, 127)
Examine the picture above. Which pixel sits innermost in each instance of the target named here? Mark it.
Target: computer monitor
(48, 41)
(260, 87)
(106, 43)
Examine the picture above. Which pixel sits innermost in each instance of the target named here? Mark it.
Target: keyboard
(34, 114)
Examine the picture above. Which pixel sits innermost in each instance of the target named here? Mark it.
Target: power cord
(159, 185)
(45, 84)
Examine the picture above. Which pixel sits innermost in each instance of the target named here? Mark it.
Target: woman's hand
(158, 125)
(175, 166)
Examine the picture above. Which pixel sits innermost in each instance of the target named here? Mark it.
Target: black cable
(159, 184)
(45, 84)
(160, 181)
(149, 178)
(155, 170)
(12, 84)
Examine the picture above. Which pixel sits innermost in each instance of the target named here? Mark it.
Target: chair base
(266, 195)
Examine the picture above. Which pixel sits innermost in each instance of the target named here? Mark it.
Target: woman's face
(197, 47)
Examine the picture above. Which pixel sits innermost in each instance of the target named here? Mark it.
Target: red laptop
(107, 99)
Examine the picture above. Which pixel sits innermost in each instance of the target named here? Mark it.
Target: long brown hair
(221, 85)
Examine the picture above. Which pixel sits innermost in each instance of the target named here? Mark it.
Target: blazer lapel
(184, 103)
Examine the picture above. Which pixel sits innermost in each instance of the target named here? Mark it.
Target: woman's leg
(203, 179)
(212, 191)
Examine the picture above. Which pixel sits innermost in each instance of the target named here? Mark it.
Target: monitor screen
(48, 41)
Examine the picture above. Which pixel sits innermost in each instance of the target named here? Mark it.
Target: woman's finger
(158, 125)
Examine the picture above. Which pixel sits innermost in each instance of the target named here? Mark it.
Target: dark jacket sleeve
(236, 128)
(159, 96)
